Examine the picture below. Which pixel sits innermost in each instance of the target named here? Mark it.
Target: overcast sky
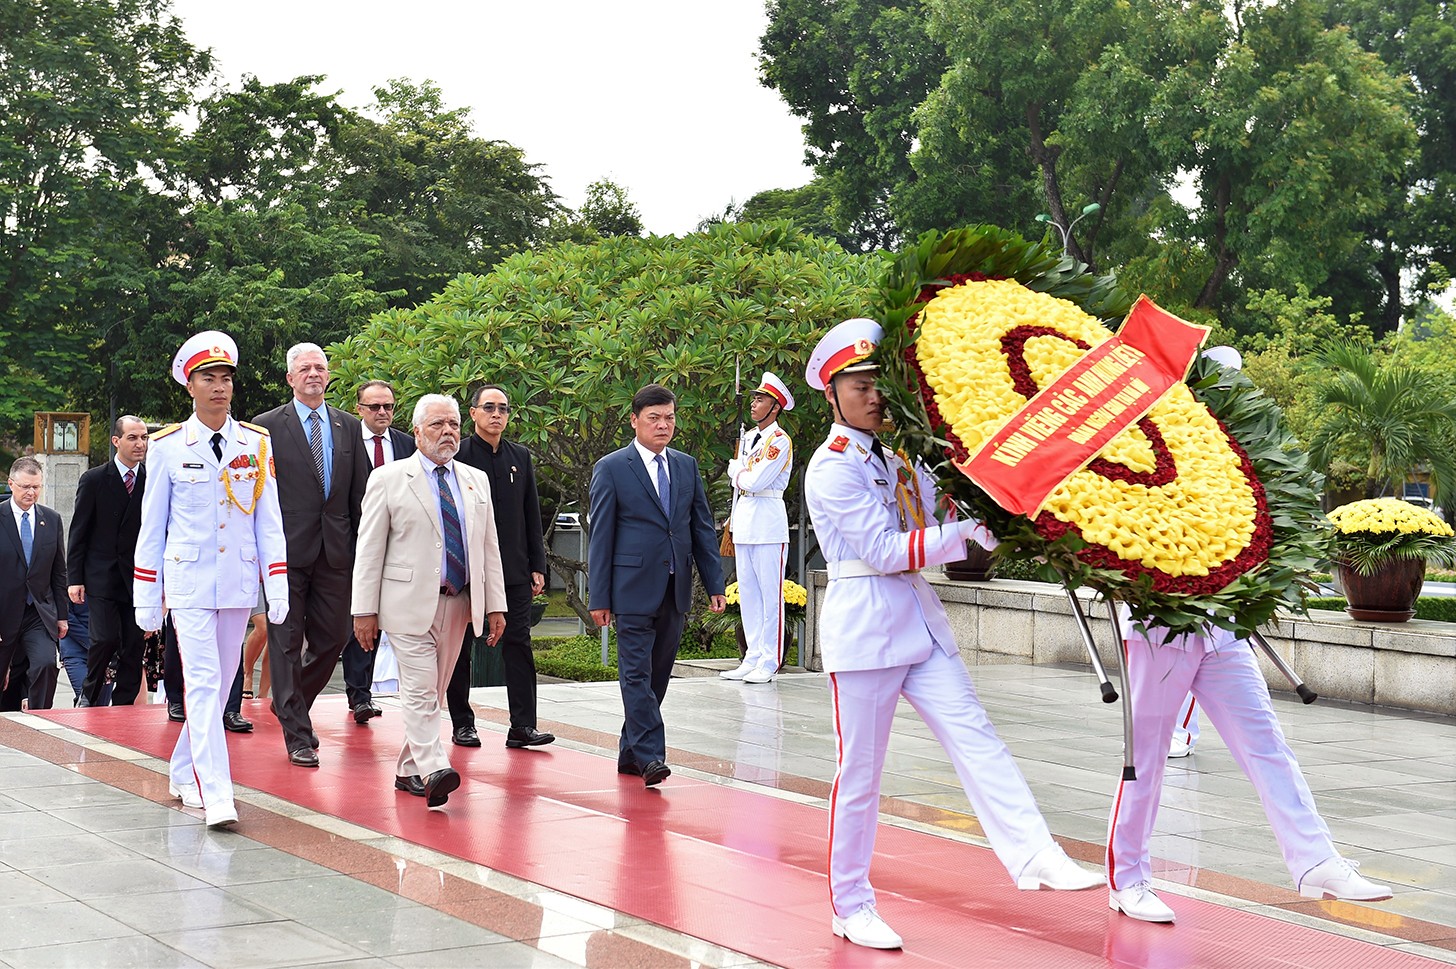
(662, 97)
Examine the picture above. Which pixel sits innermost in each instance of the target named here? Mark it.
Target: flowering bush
(1203, 507)
(796, 599)
(1373, 532)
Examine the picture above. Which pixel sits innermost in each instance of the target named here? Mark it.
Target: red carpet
(735, 868)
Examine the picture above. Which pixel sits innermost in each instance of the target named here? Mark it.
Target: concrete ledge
(1410, 665)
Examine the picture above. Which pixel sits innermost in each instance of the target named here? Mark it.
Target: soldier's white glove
(149, 618)
(974, 531)
(277, 611)
(734, 467)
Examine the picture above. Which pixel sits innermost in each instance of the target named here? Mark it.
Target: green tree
(574, 330)
(1387, 418)
(608, 211)
(89, 94)
(441, 199)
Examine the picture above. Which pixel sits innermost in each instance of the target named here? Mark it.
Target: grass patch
(556, 607)
(580, 657)
(1435, 608)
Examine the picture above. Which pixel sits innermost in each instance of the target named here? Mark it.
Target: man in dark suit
(318, 451)
(523, 559)
(32, 590)
(102, 556)
(650, 522)
(382, 444)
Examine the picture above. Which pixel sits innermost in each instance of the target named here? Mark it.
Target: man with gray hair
(32, 590)
(322, 470)
(429, 563)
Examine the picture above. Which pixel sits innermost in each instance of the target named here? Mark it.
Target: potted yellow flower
(1379, 554)
(796, 601)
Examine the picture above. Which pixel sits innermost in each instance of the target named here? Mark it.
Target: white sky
(662, 97)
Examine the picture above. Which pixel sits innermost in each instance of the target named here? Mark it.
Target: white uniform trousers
(1185, 727)
(1228, 685)
(940, 690)
(425, 664)
(210, 642)
(761, 603)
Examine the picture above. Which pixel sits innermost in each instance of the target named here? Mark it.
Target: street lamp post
(1066, 233)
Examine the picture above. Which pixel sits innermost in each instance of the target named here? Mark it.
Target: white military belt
(771, 493)
(852, 569)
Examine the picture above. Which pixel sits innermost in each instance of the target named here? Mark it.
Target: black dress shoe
(236, 722)
(410, 785)
(439, 785)
(632, 769)
(528, 737)
(466, 737)
(303, 757)
(655, 773)
(175, 711)
(366, 711)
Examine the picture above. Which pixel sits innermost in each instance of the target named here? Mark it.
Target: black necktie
(756, 436)
(217, 445)
(878, 450)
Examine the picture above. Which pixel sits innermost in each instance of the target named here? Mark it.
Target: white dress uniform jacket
(204, 538)
(875, 553)
(759, 478)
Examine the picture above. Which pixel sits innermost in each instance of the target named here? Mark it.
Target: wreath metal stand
(1109, 693)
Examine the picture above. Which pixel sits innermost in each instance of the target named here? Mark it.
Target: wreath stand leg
(1109, 693)
(1305, 693)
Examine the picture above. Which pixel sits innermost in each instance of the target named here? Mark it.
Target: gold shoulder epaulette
(165, 431)
(255, 427)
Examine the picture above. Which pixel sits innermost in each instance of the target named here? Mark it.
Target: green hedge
(580, 657)
(1437, 608)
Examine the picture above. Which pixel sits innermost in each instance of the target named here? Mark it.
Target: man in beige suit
(428, 561)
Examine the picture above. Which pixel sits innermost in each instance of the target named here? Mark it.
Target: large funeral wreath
(1204, 508)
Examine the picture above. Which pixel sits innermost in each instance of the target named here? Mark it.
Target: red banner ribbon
(1069, 421)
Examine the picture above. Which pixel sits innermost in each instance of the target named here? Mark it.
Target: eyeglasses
(494, 408)
(377, 407)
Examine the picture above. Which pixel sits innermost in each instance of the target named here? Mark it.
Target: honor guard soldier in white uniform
(1222, 674)
(210, 527)
(883, 634)
(760, 526)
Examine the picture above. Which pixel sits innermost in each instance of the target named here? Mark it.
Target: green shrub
(580, 657)
(1435, 608)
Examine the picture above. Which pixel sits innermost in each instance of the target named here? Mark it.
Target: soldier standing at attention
(210, 525)
(761, 531)
(885, 634)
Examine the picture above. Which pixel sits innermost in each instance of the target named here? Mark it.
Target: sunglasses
(377, 407)
(493, 408)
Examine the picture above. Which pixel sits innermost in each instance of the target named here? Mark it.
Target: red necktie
(129, 481)
(378, 450)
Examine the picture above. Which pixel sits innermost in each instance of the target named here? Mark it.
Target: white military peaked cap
(775, 388)
(210, 348)
(844, 349)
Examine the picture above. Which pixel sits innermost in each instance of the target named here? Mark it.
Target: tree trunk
(1224, 260)
(1045, 157)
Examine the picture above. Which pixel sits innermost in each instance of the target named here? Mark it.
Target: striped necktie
(316, 442)
(454, 538)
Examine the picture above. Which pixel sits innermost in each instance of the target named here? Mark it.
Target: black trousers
(318, 612)
(31, 660)
(358, 673)
(114, 632)
(515, 647)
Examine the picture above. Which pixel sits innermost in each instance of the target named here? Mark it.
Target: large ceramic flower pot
(975, 567)
(1387, 596)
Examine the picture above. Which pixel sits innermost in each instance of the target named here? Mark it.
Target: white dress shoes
(738, 674)
(1338, 878)
(1178, 748)
(758, 676)
(223, 815)
(1051, 868)
(190, 795)
(866, 928)
(1139, 902)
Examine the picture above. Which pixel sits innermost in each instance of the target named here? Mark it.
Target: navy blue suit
(29, 632)
(640, 567)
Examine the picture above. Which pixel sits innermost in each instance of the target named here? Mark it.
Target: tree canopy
(574, 330)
